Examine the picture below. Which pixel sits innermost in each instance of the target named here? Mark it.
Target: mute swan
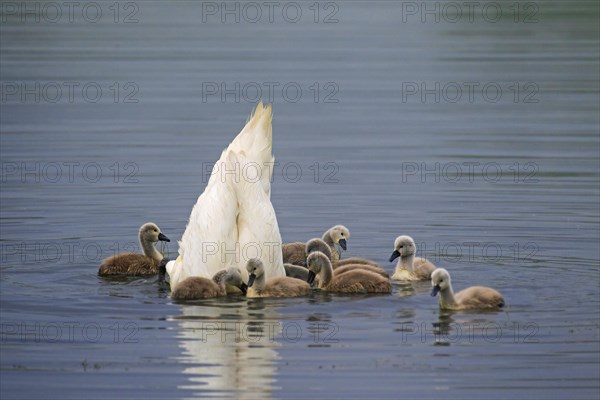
(279, 286)
(410, 268)
(301, 272)
(338, 270)
(296, 271)
(133, 264)
(356, 281)
(317, 244)
(294, 253)
(470, 298)
(196, 287)
(336, 238)
(233, 218)
(356, 260)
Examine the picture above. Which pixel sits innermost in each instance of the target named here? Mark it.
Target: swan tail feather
(235, 207)
(258, 229)
(255, 143)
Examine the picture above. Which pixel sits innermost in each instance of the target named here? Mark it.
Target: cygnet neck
(326, 274)
(447, 297)
(406, 262)
(149, 249)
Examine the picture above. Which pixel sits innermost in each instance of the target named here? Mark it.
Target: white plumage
(233, 219)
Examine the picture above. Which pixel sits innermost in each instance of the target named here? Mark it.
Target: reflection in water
(322, 329)
(405, 289)
(411, 288)
(404, 322)
(451, 328)
(231, 346)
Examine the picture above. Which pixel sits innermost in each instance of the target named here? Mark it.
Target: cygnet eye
(401, 246)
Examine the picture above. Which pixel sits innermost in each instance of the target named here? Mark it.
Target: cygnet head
(255, 269)
(339, 234)
(403, 246)
(440, 280)
(150, 232)
(316, 262)
(234, 278)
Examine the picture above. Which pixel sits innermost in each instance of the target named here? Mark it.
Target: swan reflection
(230, 348)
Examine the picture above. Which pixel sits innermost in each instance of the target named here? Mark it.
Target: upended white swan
(233, 220)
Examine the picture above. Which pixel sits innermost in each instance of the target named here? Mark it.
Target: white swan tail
(234, 212)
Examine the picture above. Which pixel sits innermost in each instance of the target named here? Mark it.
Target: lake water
(474, 131)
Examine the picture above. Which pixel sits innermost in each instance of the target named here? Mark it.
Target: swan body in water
(353, 281)
(335, 238)
(132, 264)
(278, 286)
(409, 267)
(471, 298)
(196, 287)
(336, 241)
(233, 218)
